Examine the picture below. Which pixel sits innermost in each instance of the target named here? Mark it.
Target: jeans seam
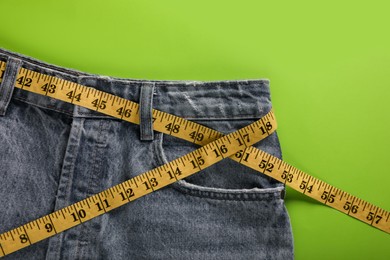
(53, 108)
(221, 196)
(234, 194)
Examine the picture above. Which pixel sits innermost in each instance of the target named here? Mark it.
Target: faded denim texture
(53, 154)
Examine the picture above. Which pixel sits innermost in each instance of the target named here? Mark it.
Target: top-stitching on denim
(9, 91)
(71, 74)
(53, 108)
(218, 194)
(200, 118)
(9, 79)
(226, 196)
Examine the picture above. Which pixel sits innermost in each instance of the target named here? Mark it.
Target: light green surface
(329, 66)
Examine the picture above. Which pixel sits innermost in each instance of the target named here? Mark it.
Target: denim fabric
(53, 154)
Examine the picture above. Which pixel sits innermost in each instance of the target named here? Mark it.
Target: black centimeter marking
(25, 233)
(124, 107)
(2, 250)
(375, 214)
(51, 222)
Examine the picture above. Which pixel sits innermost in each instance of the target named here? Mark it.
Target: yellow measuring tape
(215, 147)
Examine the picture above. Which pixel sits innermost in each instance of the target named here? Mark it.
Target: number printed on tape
(214, 148)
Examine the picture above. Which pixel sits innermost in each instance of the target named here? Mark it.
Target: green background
(328, 62)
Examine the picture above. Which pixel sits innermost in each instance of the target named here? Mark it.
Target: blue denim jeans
(53, 154)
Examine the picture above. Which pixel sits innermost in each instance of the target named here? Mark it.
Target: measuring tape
(215, 147)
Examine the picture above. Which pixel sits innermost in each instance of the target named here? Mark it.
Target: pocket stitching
(216, 193)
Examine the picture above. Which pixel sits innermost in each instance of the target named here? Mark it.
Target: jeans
(53, 154)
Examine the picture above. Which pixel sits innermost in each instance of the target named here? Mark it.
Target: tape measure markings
(147, 183)
(82, 211)
(327, 194)
(170, 124)
(198, 159)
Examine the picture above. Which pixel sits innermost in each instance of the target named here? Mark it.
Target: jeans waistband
(202, 100)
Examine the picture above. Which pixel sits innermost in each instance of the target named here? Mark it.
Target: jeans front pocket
(225, 180)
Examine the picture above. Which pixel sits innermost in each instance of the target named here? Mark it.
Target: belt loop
(8, 83)
(146, 104)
